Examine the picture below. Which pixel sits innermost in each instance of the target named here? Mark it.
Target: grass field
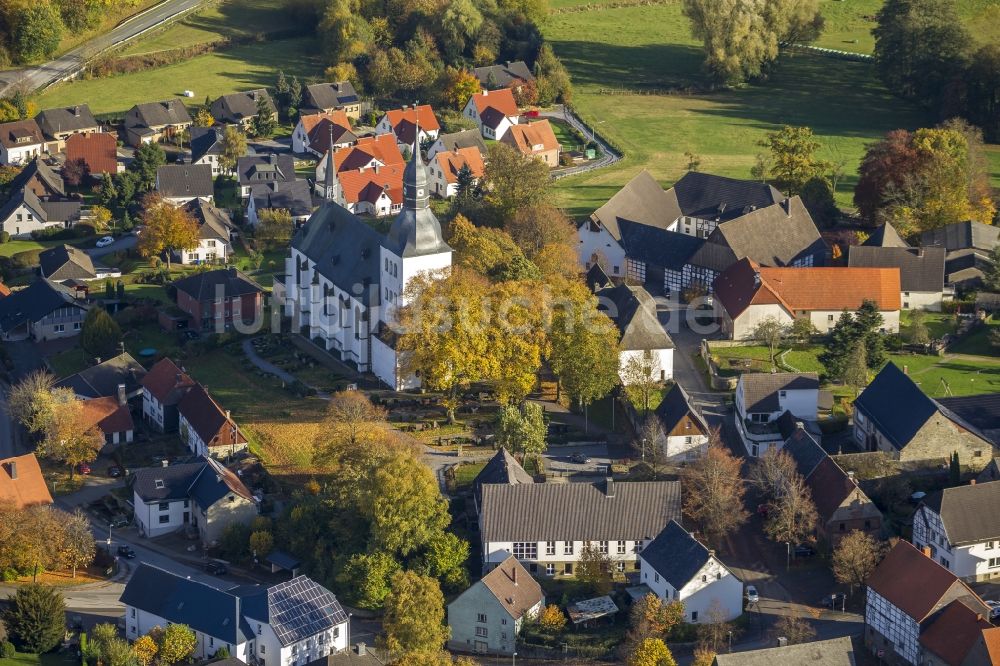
(240, 68)
(50, 659)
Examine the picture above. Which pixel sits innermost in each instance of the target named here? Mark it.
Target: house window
(550, 547)
(525, 550)
(989, 545)
(783, 394)
(945, 563)
(704, 578)
(621, 547)
(186, 503)
(567, 548)
(718, 576)
(868, 524)
(481, 618)
(60, 328)
(656, 577)
(76, 326)
(994, 563)
(620, 566)
(481, 632)
(165, 518)
(829, 317)
(602, 547)
(568, 568)
(694, 616)
(503, 620)
(843, 527)
(133, 612)
(550, 569)
(262, 649)
(211, 641)
(164, 506)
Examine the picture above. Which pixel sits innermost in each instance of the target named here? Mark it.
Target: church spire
(328, 192)
(416, 195)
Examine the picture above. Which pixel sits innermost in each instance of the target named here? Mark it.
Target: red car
(531, 114)
(83, 468)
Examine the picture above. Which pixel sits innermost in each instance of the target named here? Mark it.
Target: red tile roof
(208, 419)
(367, 185)
(423, 115)
(382, 148)
(28, 488)
(502, 100)
(991, 639)
(317, 127)
(107, 415)
(450, 163)
(532, 138)
(98, 150)
(166, 382)
(952, 634)
(4, 290)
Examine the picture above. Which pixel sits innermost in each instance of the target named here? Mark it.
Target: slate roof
(29, 488)
(676, 555)
(235, 107)
(503, 75)
(676, 405)
(212, 222)
(204, 286)
(296, 609)
(669, 249)
(920, 269)
(294, 196)
(805, 451)
(641, 200)
(502, 468)
(965, 266)
(66, 119)
(634, 313)
(953, 632)
(885, 236)
(44, 210)
(531, 138)
(161, 114)
(215, 482)
(597, 279)
(205, 141)
(492, 117)
(330, 95)
(38, 168)
(185, 180)
(913, 582)
(760, 389)
(880, 402)
(20, 129)
(60, 211)
(710, 197)
(464, 139)
(34, 302)
(63, 262)
(206, 481)
(831, 652)
(513, 587)
(962, 235)
(104, 378)
(166, 382)
(254, 169)
(981, 411)
(213, 425)
(98, 150)
(578, 511)
(971, 514)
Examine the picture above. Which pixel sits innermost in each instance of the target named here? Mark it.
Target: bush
(25, 258)
(565, 159)
(4, 237)
(61, 233)
(6, 650)
(36, 618)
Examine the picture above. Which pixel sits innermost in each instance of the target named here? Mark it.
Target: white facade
(922, 300)
(24, 219)
(209, 251)
(157, 518)
(712, 587)
(900, 629)
(472, 113)
(597, 245)
(138, 623)
(559, 558)
(21, 153)
(802, 403)
(152, 409)
(213, 161)
(682, 448)
(269, 650)
(971, 562)
(663, 366)
(385, 127)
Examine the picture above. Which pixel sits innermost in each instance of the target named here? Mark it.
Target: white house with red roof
(312, 132)
(205, 427)
(162, 389)
(445, 167)
(403, 124)
(493, 111)
(376, 191)
(368, 153)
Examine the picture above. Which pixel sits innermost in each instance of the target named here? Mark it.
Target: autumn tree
(78, 542)
(769, 332)
(100, 218)
(203, 118)
(512, 181)
(537, 226)
(460, 85)
(522, 428)
(75, 172)
(793, 161)
(176, 644)
(145, 649)
(641, 378)
(651, 617)
(802, 331)
(793, 514)
(368, 575)
(703, 656)
(405, 506)
(70, 436)
(35, 618)
(772, 472)
(488, 251)
(233, 146)
(795, 629)
(594, 569)
(261, 543)
(101, 334)
(413, 620)
(651, 652)
(552, 619)
(30, 401)
(351, 416)
(714, 491)
(855, 558)
(274, 227)
(169, 229)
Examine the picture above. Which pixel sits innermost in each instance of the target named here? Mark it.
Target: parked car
(126, 552)
(918, 497)
(804, 550)
(216, 568)
(751, 595)
(114, 471)
(83, 468)
(994, 608)
(580, 458)
(106, 241)
(119, 522)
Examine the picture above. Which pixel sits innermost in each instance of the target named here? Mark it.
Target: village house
(44, 310)
(455, 141)
(446, 167)
(111, 415)
(316, 132)
(960, 635)
(841, 505)
(369, 152)
(749, 294)
(535, 139)
(206, 148)
(968, 245)
(685, 429)
(487, 617)
(287, 624)
(20, 140)
(761, 400)
(921, 272)
(336, 252)
(220, 299)
(105, 377)
(162, 389)
(241, 108)
(292, 196)
(41, 179)
(25, 212)
(180, 183)
(961, 527)
(403, 124)
(98, 151)
(502, 468)
(675, 566)
(206, 428)
(508, 75)
(329, 97)
(377, 191)
(830, 652)
(59, 124)
(64, 262)
(254, 170)
(925, 433)
(214, 231)
(494, 112)
(202, 495)
(21, 482)
(547, 526)
(905, 595)
(982, 412)
(642, 341)
(152, 122)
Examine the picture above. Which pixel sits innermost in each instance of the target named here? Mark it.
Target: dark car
(114, 471)
(216, 568)
(802, 550)
(126, 552)
(580, 458)
(190, 335)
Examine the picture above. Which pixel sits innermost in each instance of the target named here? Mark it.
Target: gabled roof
(22, 483)
(34, 302)
(502, 100)
(104, 378)
(760, 389)
(805, 451)
(513, 587)
(317, 127)
(212, 222)
(829, 486)
(205, 286)
(641, 200)
(450, 163)
(20, 133)
(215, 482)
(294, 196)
(670, 249)
(710, 197)
(422, 115)
(465, 139)
(63, 262)
(502, 468)
(160, 114)
(205, 480)
(382, 148)
(634, 313)
(166, 382)
(492, 117)
(269, 168)
(962, 235)
(981, 411)
(503, 75)
(98, 150)
(675, 406)
(213, 425)
(330, 95)
(676, 555)
(578, 511)
(971, 514)
(885, 236)
(23, 197)
(296, 610)
(913, 582)
(205, 141)
(60, 211)
(532, 138)
(953, 632)
(597, 279)
(831, 652)
(39, 169)
(920, 268)
(68, 119)
(235, 107)
(881, 399)
(185, 180)
(107, 414)
(368, 185)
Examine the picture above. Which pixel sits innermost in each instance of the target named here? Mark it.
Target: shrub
(6, 650)
(4, 237)
(36, 618)
(565, 159)
(25, 258)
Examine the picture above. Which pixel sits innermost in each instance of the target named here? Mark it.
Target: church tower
(331, 185)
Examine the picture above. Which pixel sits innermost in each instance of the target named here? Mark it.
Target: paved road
(608, 154)
(39, 76)
(126, 242)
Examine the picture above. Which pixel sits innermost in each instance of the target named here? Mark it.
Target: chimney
(227, 414)
(12, 468)
(122, 397)
(609, 487)
(906, 369)
(486, 93)
(972, 482)
(799, 425)
(362, 650)
(711, 553)
(926, 550)
(164, 463)
(97, 360)
(787, 205)
(76, 111)
(513, 572)
(850, 475)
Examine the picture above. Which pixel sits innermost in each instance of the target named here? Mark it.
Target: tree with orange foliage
(168, 229)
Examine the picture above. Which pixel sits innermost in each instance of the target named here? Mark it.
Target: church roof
(416, 230)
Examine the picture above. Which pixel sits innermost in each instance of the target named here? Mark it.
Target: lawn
(240, 68)
(12, 247)
(978, 343)
(938, 324)
(49, 659)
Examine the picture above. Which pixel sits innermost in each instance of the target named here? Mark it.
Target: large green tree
(35, 618)
(406, 506)
(522, 428)
(101, 334)
(414, 614)
(982, 91)
(38, 27)
(793, 161)
(512, 182)
(148, 158)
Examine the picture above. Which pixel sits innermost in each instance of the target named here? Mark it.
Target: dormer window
(158, 484)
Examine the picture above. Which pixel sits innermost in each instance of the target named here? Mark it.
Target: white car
(106, 241)
(994, 608)
(752, 596)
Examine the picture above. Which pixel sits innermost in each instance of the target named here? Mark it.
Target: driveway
(122, 243)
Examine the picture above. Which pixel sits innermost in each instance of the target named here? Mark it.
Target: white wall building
(761, 398)
(961, 526)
